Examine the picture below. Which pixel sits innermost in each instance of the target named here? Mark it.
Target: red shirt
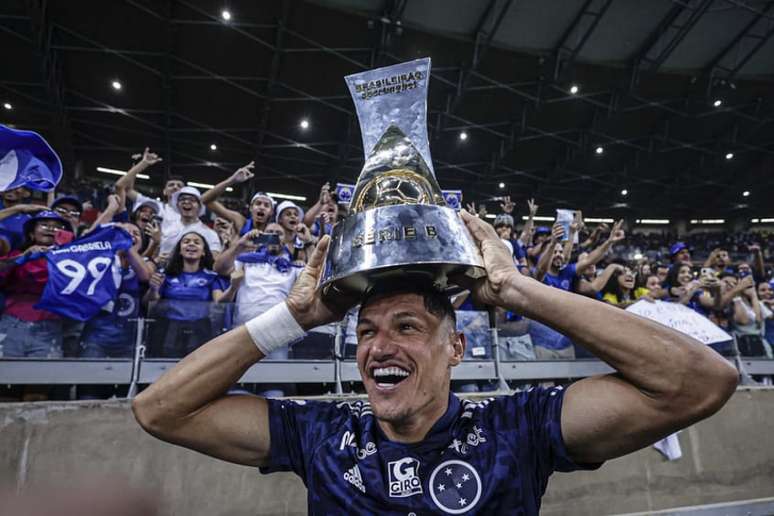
(23, 285)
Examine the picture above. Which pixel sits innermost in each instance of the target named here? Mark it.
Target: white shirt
(263, 287)
(168, 214)
(176, 229)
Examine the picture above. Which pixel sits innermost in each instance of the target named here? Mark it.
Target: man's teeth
(390, 371)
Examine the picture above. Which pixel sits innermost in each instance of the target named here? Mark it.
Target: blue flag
(453, 198)
(27, 160)
(82, 277)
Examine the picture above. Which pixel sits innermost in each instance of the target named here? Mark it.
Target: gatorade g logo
(404, 477)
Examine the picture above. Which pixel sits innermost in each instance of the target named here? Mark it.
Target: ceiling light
(116, 85)
(730, 155)
(624, 192)
(206, 186)
(304, 124)
(116, 172)
(286, 196)
(8, 106)
(213, 147)
(501, 185)
(598, 220)
(717, 103)
(539, 218)
(746, 193)
(599, 150)
(463, 136)
(574, 89)
(653, 221)
(225, 14)
(490, 216)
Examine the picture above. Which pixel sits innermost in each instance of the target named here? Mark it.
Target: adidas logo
(354, 477)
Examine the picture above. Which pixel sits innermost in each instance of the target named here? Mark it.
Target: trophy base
(398, 241)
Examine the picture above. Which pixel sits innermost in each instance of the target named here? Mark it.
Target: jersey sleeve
(536, 415)
(221, 283)
(296, 428)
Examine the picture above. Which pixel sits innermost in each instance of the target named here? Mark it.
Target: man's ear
(458, 343)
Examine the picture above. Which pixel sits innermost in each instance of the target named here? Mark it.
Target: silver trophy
(399, 222)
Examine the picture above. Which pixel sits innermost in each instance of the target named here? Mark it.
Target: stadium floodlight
(746, 193)
(463, 136)
(717, 103)
(225, 14)
(116, 172)
(574, 89)
(8, 106)
(501, 185)
(304, 124)
(624, 192)
(599, 150)
(286, 196)
(730, 155)
(213, 147)
(116, 84)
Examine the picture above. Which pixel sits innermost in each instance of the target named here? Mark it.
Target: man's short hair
(435, 301)
(174, 178)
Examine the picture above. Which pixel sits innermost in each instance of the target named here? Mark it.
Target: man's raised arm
(210, 197)
(188, 405)
(126, 182)
(665, 380)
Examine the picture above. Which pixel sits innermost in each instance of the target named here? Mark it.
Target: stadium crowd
(195, 263)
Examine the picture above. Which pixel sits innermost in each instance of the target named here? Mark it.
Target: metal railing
(499, 355)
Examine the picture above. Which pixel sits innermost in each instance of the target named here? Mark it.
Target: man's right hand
(305, 299)
(557, 232)
(150, 158)
(242, 174)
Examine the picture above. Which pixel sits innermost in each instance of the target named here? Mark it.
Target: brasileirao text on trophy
(399, 223)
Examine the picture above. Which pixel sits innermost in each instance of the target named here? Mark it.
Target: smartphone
(267, 239)
(708, 272)
(63, 237)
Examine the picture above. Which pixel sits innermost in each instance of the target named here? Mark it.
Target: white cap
(263, 194)
(188, 190)
(284, 205)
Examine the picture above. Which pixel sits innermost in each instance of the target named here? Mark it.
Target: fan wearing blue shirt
(414, 446)
(181, 297)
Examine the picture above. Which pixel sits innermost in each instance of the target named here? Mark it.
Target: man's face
(15, 195)
(405, 355)
(744, 269)
(557, 260)
(662, 273)
(539, 239)
(172, 186)
(261, 210)
(70, 212)
(288, 219)
(765, 291)
(188, 205)
(683, 256)
(721, 259)
(331, 210)
(503, 231)
(275, 229)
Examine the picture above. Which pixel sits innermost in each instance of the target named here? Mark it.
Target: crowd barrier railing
(502, 351)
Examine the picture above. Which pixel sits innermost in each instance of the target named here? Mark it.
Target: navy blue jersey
(188, 295)
(488, 457)
(115, 324)
(565, 279)
(80, 274)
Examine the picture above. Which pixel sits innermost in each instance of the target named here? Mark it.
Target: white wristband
(274, 328)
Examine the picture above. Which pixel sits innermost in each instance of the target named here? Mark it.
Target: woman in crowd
(620, 288)
(766, 297)
(748, 320)
(27, 331)
(182, 295)
(700, 295)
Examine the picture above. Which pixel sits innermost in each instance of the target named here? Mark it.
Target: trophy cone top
(395, 173)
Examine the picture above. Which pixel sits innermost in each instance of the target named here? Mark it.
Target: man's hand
(150, 158)
(325, 194)
(243, 174)
(36, 249)
(29, 208)
(617, 233)
(113, 203)
(746, 283)
(533, 208)
(557, 232)
(305, 301)
(237, 275)
(156, 281)
(303, 232)
(247, 241)
(507, 204)
(498, 262)
(153, 231)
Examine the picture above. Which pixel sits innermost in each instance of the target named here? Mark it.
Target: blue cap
(27, 160)
(676, 248)
(69, 199)
(542, 230)
(42, 215)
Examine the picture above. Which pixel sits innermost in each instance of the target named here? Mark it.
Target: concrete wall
(729, 457)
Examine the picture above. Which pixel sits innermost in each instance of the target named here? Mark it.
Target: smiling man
(187, 202)
(414, 447)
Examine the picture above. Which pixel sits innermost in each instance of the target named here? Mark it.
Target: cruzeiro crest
(455, 486)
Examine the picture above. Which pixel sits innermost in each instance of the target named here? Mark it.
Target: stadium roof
(649, 76)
